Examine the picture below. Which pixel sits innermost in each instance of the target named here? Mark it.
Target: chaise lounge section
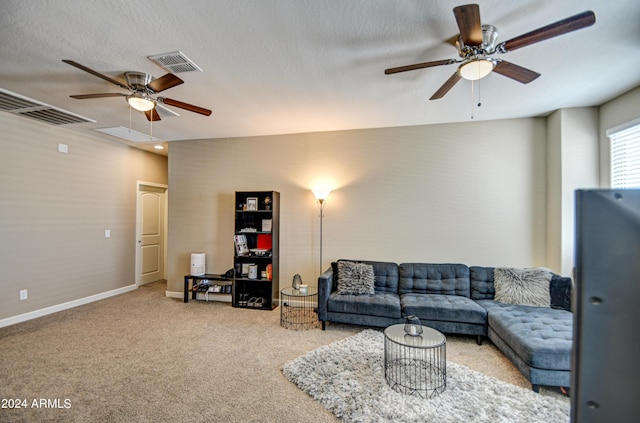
(457, 299)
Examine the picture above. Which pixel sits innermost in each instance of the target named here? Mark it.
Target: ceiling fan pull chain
(472, 99)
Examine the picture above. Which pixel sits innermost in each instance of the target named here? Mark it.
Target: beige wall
(578, 157)
(54, 209)
(488, 193)
(573, 163)
(471, 193)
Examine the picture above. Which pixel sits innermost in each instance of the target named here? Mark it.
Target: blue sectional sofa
(457, 299)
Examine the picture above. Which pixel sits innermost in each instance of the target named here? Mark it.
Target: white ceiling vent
(27, 107)
(128, 134)
(175, 62)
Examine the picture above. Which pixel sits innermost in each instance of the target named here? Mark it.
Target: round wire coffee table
(415, 365)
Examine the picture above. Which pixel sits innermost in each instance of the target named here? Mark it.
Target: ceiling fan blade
(468, 19)
(102, 95)
(165, 111)
(95, 73)
(573, 23)
(164, 83)
(515, 72)
(446, 86)
(418, 66)
(185, 106)
(152, 115)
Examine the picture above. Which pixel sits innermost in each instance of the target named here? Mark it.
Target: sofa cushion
(522, 286)
(355, 278)
(540, 336)
(445, 279)
(482, 287)
(385, 304)
(445, 308)
(386, 275)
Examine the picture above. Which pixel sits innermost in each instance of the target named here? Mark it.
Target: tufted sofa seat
(440, 295)
(455, 298)
(380, 309)
(537, 340)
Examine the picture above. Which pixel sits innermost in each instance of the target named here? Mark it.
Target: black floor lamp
(321, 196)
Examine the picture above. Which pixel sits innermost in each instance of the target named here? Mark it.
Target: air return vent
(175, 62)
(127, 134)
(24, 106)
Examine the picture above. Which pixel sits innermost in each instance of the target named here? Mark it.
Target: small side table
(297, 310)
(195, 279)
(415, 365)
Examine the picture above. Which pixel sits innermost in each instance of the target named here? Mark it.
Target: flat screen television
(605, 384)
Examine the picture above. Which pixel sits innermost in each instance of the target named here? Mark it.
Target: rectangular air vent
(175, 62)
(33, 109)
(127, 134)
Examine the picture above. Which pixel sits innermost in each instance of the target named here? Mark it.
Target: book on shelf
(241, 245)
(265, 241)
(266, 225)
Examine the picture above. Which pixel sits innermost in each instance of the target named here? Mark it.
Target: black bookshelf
(256, 249)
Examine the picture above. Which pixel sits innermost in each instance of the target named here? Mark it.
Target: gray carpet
(347, 377)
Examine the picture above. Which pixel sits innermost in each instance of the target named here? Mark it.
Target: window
(625, 155)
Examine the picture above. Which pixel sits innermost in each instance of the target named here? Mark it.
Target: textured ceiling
(289, 66)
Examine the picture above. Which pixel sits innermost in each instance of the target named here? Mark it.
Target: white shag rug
(347, 377)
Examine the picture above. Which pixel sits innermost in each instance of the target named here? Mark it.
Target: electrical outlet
(107, 233)
(23, 294)
(63, 148)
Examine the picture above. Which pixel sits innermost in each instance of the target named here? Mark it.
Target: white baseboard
(64, 306)
(174, 294)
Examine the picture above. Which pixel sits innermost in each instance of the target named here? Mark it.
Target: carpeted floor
(143, 357)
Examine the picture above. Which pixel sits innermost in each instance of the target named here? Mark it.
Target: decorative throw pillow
(355, 278)
(523, 286)
(560, 291)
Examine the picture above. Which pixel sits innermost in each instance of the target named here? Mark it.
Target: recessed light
(158, 147)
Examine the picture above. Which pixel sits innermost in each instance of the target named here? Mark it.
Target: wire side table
(415, 365)
(298, 310)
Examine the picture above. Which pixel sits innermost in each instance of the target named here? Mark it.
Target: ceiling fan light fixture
(141, 102)
(477, 68)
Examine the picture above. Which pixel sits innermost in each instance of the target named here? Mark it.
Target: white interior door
(151, 236)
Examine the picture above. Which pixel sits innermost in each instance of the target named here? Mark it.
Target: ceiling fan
(141, 87)
(476, 43)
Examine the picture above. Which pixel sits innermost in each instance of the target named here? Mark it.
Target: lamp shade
(476, 69)
(140, 102)
(321, 194)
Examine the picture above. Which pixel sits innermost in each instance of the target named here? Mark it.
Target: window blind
(625, 156)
